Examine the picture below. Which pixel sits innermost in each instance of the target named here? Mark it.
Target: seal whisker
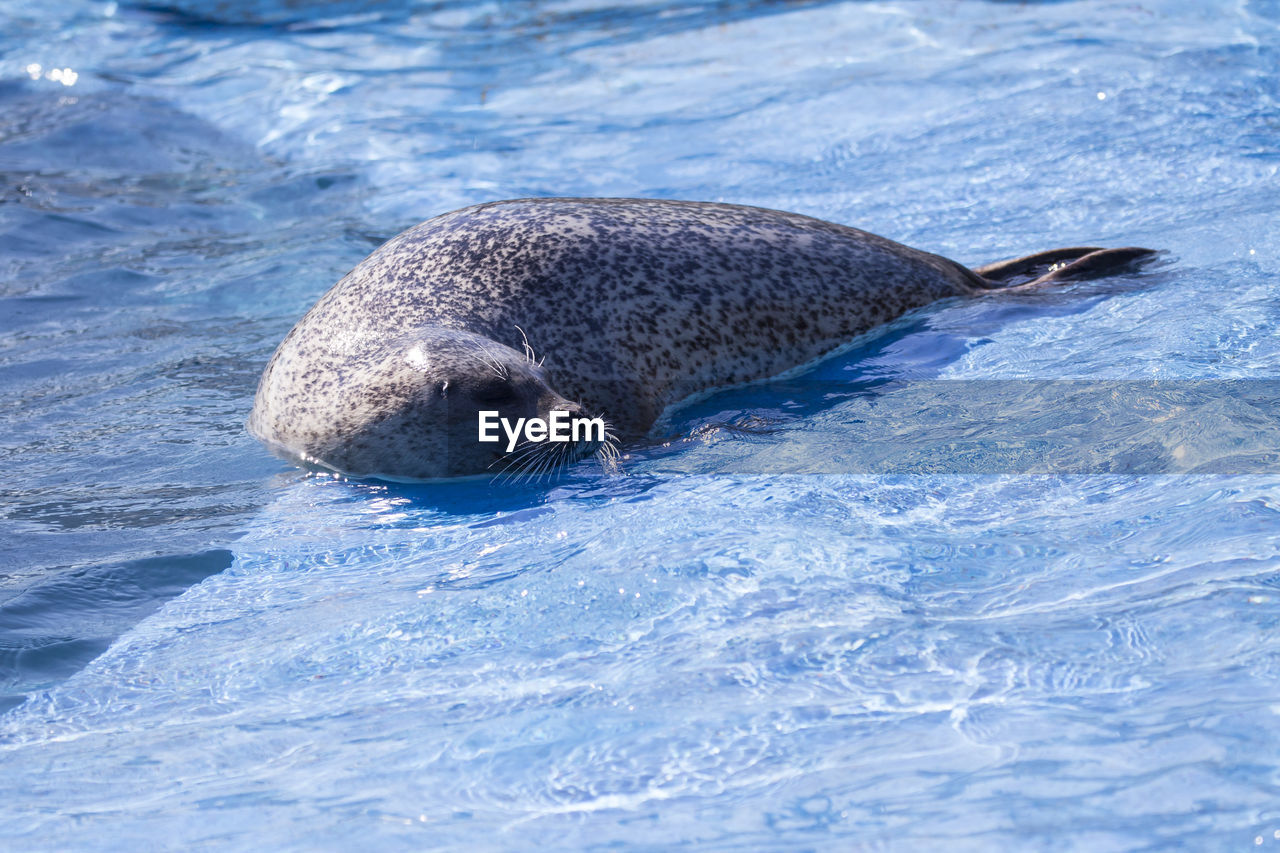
(608, 453)
(517, 457)
(530, 357)
(511, 466)
(489, 359)
(535, 466)
(608, 456)
(564, 455)
(546, 462)
(556, 460)
(531, 461)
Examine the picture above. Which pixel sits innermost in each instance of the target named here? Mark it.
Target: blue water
(736, 644)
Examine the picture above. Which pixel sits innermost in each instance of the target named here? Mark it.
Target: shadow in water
(52, 629)
(503, 500)
(524, 21)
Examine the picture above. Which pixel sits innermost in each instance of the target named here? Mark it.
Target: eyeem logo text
(559, 427)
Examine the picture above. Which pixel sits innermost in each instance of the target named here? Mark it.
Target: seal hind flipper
(1073, 264)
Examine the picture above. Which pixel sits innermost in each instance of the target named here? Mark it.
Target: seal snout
(553, 402)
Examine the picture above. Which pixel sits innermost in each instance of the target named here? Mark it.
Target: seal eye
(499, 391)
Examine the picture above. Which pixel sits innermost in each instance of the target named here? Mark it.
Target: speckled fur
(634, 304)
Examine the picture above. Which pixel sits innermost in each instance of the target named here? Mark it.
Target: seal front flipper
(1074, 264)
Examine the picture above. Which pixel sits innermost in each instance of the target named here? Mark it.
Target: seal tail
(1074, 264)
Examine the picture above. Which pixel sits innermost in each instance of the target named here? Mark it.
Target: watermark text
(560, 426)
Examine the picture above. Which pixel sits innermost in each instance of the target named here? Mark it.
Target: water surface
(758, 638)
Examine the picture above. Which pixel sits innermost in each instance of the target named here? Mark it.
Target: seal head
(408, 408)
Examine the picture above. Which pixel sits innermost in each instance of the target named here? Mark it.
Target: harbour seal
(633, 305)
